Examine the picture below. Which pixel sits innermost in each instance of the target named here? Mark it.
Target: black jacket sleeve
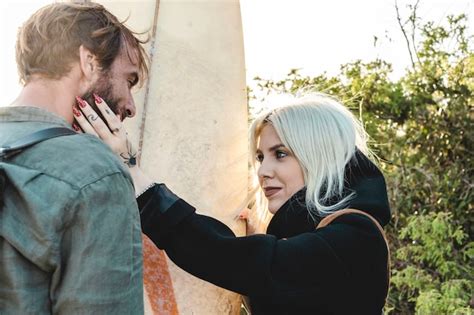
(259, 265)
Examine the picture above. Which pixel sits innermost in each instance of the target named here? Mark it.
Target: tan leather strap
(327, 220)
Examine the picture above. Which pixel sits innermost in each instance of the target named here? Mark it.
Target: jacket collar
(292, 218)
(30, 113)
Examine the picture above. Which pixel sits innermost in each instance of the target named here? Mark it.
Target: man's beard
(104, 89)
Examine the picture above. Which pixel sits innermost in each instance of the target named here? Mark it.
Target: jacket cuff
(160, 196)
(160, 212)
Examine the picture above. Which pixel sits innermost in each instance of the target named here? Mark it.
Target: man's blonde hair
(48, 42)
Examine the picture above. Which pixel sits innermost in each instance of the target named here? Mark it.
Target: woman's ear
(88, 63)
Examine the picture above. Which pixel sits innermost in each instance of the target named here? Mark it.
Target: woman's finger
(113, 120)
(83, 122)
(76, 127)
(244, 214)
(93, 118)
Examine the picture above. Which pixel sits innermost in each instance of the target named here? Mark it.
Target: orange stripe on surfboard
(157, 280)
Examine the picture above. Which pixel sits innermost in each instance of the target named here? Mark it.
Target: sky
(279, 35)
(318, 36)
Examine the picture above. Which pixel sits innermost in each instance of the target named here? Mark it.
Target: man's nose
(130, 109)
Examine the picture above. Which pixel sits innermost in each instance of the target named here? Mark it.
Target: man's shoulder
(77, 159)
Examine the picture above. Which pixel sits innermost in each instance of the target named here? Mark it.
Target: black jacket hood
(367, 181)
(361, 177)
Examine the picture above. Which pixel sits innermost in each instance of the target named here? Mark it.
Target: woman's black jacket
(294, 268)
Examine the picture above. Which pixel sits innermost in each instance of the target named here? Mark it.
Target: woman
(310, 161)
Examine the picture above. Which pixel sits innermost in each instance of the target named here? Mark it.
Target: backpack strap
(328, 219)
(3, 183)
(15, 147)
(10, 149)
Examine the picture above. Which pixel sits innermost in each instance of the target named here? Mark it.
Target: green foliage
(435, 264)
(423, 133)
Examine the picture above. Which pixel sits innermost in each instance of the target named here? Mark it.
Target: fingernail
(81, 102)
(97, 98)
(76, 127)
(76, 112)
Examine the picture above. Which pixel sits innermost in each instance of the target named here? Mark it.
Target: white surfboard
(191, 119)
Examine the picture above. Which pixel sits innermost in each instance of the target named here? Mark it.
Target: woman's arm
(257, 265)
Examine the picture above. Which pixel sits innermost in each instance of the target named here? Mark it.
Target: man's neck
(55, 96)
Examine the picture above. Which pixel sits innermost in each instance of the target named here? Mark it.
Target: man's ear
(88, 63)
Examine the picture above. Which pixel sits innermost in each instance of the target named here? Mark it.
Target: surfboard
(191, 126)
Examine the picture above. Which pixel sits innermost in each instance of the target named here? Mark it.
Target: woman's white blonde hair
(323, 136)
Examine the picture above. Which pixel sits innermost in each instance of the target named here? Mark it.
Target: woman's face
(279, 173)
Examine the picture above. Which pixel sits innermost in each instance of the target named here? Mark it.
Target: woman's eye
(259, 157)
(281, 154)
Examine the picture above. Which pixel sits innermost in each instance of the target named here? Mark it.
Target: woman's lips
(270, 191)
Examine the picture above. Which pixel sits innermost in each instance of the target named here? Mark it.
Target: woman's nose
(265, 170)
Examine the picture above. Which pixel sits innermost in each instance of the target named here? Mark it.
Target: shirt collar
(30, 113)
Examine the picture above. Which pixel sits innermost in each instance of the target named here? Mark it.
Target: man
(70, 239)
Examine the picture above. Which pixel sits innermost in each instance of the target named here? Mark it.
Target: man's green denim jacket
(70, 237)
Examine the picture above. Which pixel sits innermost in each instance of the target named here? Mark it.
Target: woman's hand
(112, 132)
(114, 135)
